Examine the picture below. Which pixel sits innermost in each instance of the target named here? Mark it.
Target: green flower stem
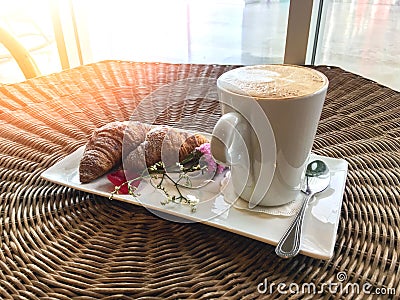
(189, 164)
(176, 186)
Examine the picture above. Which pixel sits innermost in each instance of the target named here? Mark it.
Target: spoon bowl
(317, 180)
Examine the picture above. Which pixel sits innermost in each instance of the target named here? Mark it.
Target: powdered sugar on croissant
(166, 144)
(104, 148)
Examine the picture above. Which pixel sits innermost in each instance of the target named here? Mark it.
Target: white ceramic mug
(270, 118)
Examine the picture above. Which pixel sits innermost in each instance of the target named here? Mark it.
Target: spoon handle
(289, 245)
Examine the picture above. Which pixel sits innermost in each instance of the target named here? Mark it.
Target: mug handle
(230, 145)
(229, 139)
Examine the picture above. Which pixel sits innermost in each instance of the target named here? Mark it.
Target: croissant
(104, 148)
(139, 145)
(165, 144)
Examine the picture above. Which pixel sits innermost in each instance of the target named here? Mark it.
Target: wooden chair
(20, 54)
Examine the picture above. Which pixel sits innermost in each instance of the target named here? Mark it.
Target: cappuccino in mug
(278, 82)
(264, 105)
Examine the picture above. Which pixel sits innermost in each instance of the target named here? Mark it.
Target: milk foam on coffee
(273, 81)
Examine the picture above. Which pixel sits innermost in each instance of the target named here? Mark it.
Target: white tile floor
(361, 36)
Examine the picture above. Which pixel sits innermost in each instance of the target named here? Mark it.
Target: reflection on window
(191, 31)
(362, 37)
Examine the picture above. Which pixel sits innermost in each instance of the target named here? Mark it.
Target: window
(31, 24)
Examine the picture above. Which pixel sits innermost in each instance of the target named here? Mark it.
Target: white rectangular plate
(320, 224)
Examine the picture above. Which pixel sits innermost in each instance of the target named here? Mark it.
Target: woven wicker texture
(59, 243)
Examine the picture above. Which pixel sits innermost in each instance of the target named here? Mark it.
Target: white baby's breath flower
(193, 199)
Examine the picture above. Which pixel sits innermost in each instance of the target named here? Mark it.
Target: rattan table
(60, 243)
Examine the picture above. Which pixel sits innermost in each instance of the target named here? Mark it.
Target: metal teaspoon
(317, 180)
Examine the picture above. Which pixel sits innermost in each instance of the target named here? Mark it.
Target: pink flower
(120, 179)
(220, 168)
(205, 149)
